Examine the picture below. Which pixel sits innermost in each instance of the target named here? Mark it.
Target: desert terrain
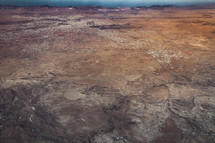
(107, 75)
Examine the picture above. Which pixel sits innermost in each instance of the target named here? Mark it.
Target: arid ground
(103, 75)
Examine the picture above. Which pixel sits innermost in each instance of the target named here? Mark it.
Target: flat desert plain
(107, 75)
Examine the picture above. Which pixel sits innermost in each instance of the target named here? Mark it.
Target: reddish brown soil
(97, 75)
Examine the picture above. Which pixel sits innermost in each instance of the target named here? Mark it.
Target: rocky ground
(99, 75)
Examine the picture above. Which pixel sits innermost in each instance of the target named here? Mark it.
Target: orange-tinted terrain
(102, 75)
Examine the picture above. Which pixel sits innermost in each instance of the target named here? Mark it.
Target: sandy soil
(97, 75)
